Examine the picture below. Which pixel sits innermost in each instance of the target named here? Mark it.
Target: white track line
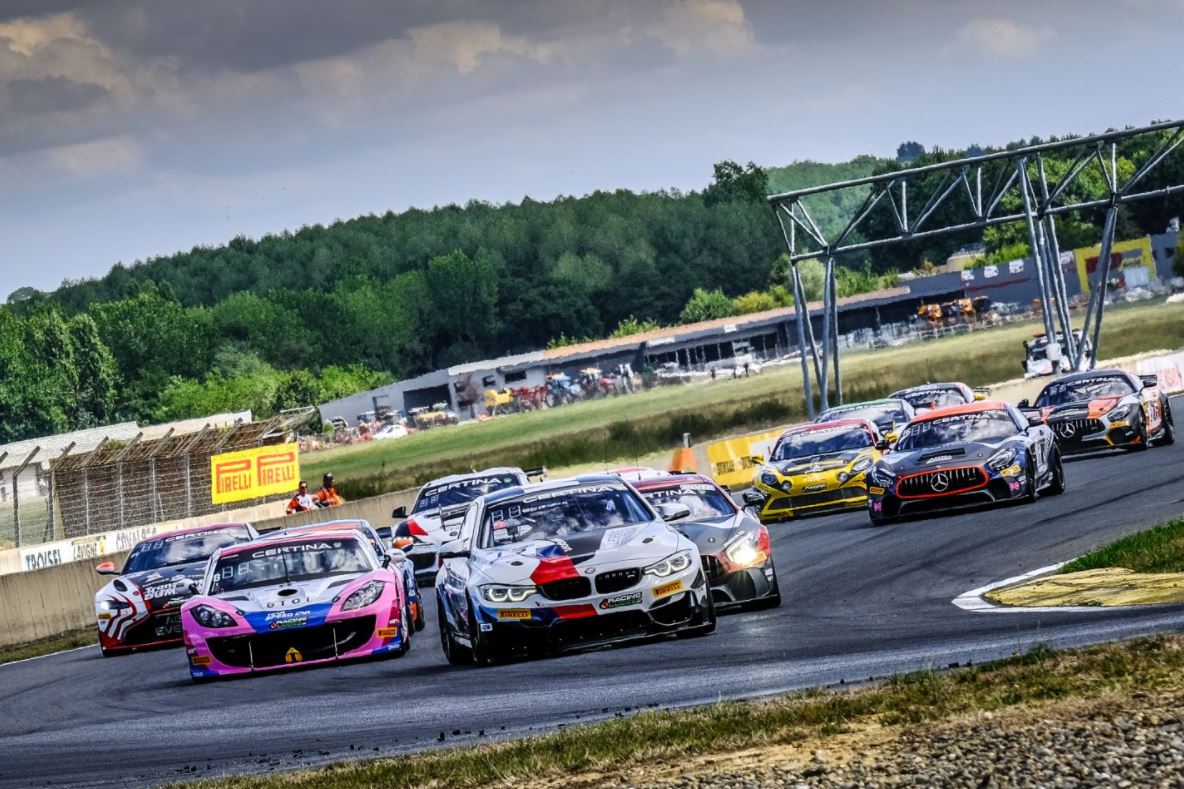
(48, 654)
(974, 600)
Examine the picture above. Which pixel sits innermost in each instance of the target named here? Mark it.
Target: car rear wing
(537, 474)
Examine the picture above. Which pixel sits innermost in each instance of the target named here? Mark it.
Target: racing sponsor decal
(875, 491)
(513, 614)
(615, 538)
(814, 488)
(621, 601)
(299, 547)
(293, 656)
(388, 632)
(254, 473)
(1011, 471)
(200, 661)
(665, 590)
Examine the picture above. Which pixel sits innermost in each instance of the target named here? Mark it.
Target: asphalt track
(860, 602)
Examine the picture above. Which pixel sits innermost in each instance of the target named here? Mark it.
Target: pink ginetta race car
(294, 600)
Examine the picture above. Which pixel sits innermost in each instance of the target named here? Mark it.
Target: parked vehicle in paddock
(965, 455)
(440, 505)
(929, 396)
(141, 606)
(560, 564)
(294, 600)
(1104, 409)
(815, 468)
(736, 550)
(888, 415)
(398, 559)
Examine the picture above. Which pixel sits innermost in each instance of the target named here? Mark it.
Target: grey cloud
(50, 94)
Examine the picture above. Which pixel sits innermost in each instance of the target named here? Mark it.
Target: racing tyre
(1169, 430)
(773, 600)
(419, 619)
(1143, 437)
(1033, 491)
(1056, 485)
(486, 649)
(455, 653)
(705, 628)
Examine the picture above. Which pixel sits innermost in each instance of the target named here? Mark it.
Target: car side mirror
(193, 588)
(757, 460)
(452, 555)
(752, 498)
(396, 555)
(1150, 381)
(1025, 404)
(106, 568)
(1035, 420)
(673, 512)
(399, 512)
(386, 561)
(883, 444)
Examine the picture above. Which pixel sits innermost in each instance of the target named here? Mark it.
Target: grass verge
(1039, 677)
(1157, 550)
(606, 430)
(47, 646)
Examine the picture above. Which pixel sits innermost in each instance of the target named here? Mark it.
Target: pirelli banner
(254, 473)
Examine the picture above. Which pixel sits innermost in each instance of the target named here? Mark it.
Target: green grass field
(1157, 550)
(619, 429)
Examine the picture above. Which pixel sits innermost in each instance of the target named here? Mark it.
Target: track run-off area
(860, 603)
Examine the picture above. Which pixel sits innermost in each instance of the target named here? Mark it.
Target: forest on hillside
(300, 317)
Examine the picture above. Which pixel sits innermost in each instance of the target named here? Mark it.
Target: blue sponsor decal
(287, 618)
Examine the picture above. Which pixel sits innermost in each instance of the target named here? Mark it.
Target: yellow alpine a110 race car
(815, 468)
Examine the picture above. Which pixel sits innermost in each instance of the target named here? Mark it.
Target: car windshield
(182, 548)
(934, 398)
(881, 414)
(288, 562)
(562, 513)
(821, 441)
(706, 502)
(367, 534)
(957, 429)
(1084, 389)
(461, 491)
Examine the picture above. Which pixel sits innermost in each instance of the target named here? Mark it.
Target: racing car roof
(482, 473)
(865, 403)
(936, 385)
(276, 537)
(671, 481)
(965, 408)
(552, 484)
(194, 530)
(1087, 374)
(830, 425)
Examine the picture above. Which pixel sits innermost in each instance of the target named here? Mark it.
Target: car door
(453, 577)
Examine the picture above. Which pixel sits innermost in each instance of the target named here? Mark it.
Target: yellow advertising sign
(1136, 252)
(254, 473)
(731, 459)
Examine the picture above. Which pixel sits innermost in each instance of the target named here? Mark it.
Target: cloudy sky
(134, 128)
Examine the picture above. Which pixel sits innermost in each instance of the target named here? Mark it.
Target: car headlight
(744, 551)
(212, 617)
(1001, 459)
(363, 597)
(769, 479)
(843, 477)
(882, 476)
(495, 593)
(1120, 411)
(863, 464)
(675, 563)
(113, 605)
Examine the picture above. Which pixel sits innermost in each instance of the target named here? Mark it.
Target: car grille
(617, 580)
(1074, 429)
(567, 589)
(827, 496)
(158, 627)
(941, 482)
(261, 650)
(713, 568)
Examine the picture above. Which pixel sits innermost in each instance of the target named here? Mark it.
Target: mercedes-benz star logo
(1066, 429)
(940, 481)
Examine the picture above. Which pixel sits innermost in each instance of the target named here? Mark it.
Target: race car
(438, 509)
(929, 396)
(965, 455)
(398, 559)
(294, 600)
(888, 415)
(141, 606)
(1104, 409)
(815, 468)
(567, 563)
(736, 550)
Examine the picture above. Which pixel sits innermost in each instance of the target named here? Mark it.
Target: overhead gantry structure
(975, 193)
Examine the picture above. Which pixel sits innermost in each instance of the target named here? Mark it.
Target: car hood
(164, 587)
(818, 463)
(948, 456)
(1086, 409)
(623, 546)
(711, 535)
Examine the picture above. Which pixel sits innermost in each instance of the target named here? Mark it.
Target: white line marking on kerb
(974, 600)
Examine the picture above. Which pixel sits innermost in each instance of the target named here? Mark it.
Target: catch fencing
(124, 483)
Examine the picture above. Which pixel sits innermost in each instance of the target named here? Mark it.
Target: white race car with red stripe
(565, 563)
(141, 606)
